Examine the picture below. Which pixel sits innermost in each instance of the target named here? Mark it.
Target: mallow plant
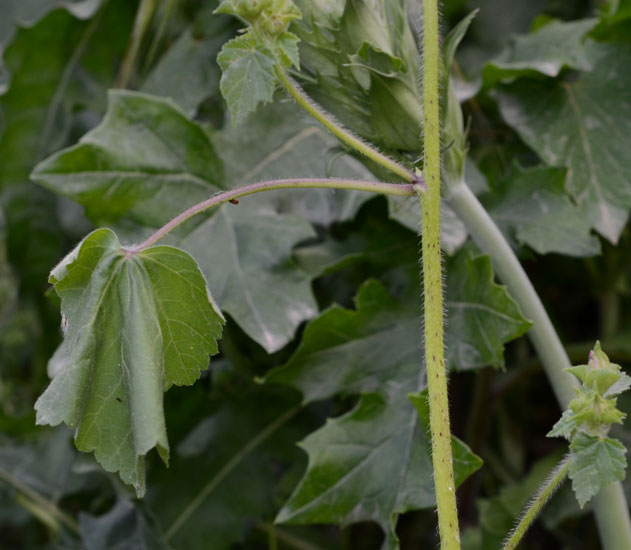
(145, 299)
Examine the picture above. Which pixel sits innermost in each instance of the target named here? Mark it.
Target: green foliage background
(320, 289)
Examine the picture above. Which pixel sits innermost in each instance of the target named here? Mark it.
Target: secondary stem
(143, 16)
(548, 488)
(401, 190)
(34, 496)
(433, 289)
(610, 507)
(342, 133)
(227, 469)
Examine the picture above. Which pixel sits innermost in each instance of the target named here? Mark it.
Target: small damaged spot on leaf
(233, 201)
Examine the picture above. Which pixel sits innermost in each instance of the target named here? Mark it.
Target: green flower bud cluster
(593, 410)
(595, 460)
(268, 18)
(250, 62)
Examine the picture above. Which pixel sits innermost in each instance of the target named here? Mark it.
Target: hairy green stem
(400, 190)
(143, 17)
(433, 289)
(327, 120)
(535, 506)
(610, 507)
(35, 497)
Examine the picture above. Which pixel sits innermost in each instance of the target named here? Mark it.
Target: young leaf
(287, 47)
(348, 50)
(595, 463)
(248, 75)
(135, 324)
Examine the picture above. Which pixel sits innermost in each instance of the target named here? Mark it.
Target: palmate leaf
(135, 324)
(168, 163)
(481, 315)
(595, 463)
(546, 51)
(582, 125)
(534, 205)
(188, 72)
(240, 452)
(248, 75)
(18, 13)
(249, 264)
(374, 462)
(251, 272)
(145, 162)
(282, 141)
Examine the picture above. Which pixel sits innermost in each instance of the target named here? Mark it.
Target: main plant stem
(433, 289)
(610, 506)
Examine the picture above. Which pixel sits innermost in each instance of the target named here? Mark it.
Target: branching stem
(610, 506)
(400, 190)
(342, 133)
(143, 17)
(41, 501)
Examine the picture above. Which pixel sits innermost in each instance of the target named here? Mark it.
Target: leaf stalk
(342, 133)
(400, 190)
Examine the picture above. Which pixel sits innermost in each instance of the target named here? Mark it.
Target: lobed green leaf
(381, 446)
(248, 77)
(533, 206)
(134, 324)
(544, 52)
(595, 463)
(581, 124)
(145, 163)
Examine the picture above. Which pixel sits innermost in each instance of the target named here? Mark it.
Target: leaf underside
(135, 324)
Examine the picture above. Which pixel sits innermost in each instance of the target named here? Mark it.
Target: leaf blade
(110, 372)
